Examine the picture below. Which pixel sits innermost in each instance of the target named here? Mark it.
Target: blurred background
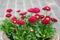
(23, 5)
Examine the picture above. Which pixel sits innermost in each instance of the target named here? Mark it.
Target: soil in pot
(44, 39)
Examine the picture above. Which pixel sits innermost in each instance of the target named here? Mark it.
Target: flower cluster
(29, 23)
(8, 15)
(33, 19)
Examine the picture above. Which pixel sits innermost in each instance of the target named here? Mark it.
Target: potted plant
(30, 25)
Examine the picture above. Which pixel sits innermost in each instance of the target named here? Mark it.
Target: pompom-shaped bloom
(53, 19)
(9, 10)
(41, 16)
(37, 16)
(47, 18)
(23, 13)
(36, 10)
(23, 16)
(18, 11)
(47, 8)
(14, 20)
(21, 22)
(8, 15)
(45, 21)
(30, 10)
(32, 20)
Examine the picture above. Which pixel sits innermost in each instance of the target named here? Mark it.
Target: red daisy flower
(47, 18)
(8, 15)
(32, 20)
(30, 10)
(14, 20)
(53, 19)
(9, 10)
(41, 16)
(18, 11)
(45, 21)
(36, 10)
(21, 22)
(23, 13)
(47, 8)
(23, 16)
(37, 16)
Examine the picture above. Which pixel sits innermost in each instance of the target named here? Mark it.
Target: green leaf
(38, 35)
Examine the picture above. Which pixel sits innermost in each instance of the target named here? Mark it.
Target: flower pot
(56, 37)
(4, 36)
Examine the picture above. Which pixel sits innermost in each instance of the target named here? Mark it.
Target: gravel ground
(25, 4)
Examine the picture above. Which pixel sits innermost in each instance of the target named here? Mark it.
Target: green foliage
(28, 31)
(33, 26)
(23, 32)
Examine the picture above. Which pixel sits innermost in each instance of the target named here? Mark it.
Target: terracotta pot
(4, 36)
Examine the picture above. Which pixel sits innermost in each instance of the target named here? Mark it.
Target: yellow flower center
(14, 21)
(31, 30)
(37, 16)
(47, 18)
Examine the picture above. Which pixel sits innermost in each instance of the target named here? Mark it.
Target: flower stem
(43, 39)
(46, 13)
(31, 14)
